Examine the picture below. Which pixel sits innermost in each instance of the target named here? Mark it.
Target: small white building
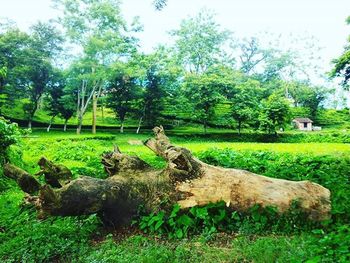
(303, 124)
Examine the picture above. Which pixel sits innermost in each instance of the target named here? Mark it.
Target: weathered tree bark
(186, 180)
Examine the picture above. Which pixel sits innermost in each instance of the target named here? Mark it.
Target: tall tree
(252, 55)
(342, 64)
(199, 42)
(274, 113)
(245, 103)
(60, 102)
(123, 91)
(159, 4)
(14, 53)
(159, 77)
(39, 80)
(100, 31)
(45, 44)
(205, 91)
(29, 58)
(306, 95)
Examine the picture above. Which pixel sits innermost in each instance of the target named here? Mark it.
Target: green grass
(125, 142)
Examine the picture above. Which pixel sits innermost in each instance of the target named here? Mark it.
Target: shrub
(217, 217)
(9, 135)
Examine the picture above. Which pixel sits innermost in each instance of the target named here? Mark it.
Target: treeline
(91, 55)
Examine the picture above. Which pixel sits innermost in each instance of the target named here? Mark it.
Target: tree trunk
(102, 112)
(50, 124)
(186, 181)
(122, 127)
(94, 111)
(80, 123)
(139, 125)
(65, 125)
(29, 124)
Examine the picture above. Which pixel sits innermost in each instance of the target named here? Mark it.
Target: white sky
(324, 19)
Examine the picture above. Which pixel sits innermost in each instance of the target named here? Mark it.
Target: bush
(297, 137)
(9, 135)
(213, 218)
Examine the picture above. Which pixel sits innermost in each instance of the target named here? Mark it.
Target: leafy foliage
(199, 42)
(213, 218)
(342, 64)
(274, 113)
(9, 135)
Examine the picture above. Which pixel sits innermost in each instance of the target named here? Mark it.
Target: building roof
(303, 120)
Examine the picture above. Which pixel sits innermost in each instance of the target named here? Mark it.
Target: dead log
(198, 183)
(186, 181)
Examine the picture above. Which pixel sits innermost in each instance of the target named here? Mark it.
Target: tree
(99, 30)
(14, 57)
(314, 98)
(308, 96)
(159, 77)
(205, 91)
(342, 64)
(199, 42)
(274, 113)
(39, 80)
(123, 91)
(28, 58)
(153, 96)
(252, 55)
(68, 108)
(160, 4)
(60, 103)
(3, 74)
(245, 103)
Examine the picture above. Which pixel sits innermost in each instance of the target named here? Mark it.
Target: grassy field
(24, 238)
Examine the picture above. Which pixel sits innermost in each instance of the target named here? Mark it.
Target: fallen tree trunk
(186, 181)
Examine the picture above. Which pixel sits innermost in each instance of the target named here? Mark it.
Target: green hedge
(306, 137)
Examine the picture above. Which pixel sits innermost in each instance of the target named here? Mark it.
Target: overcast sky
(323, 19)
